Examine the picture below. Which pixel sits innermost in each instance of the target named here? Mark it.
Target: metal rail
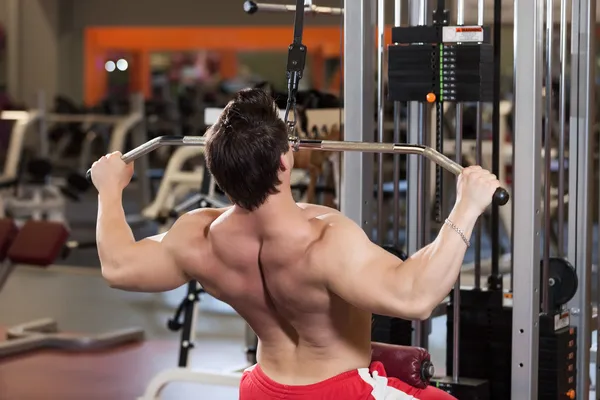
(252, 7)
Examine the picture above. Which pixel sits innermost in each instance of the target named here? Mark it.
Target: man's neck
(278, 207)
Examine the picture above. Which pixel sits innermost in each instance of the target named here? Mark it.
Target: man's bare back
(272, 276)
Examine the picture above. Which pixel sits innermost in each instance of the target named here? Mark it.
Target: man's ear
(283, 163)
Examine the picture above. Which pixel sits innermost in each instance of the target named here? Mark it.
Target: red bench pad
(411, 365)
(38, 243)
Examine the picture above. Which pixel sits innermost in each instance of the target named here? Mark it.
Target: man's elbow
(115, 278)
(422, 310)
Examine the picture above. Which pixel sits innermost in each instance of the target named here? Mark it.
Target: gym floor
(74, 294)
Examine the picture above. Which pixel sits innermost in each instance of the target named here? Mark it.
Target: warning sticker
(455, 34)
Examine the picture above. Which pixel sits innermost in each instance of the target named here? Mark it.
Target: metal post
(528, 42)
(357, 177)
(548, 117)
(562, 122)
(397, 116)
(478, 161)
(581, 146)
(458, 128)
(416, 199)
(381, 215)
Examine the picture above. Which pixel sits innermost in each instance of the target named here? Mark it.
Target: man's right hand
(475, 189)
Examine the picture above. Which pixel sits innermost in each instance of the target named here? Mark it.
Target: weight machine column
(581, 146)
(356, 195)
(417, 199)
(528, 37)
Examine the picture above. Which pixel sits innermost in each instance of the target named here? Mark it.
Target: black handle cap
(250, 7)
(501, 196)
(88, 175)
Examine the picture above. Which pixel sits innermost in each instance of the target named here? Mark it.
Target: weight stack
(391, 330)
(453, 72)
(485, 340)
(486, 347)
(557, 358)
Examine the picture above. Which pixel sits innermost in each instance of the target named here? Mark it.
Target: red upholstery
(38, 243)
(8, 232)
(411, 365)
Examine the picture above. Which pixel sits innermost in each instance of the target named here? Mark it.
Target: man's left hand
(111, 174)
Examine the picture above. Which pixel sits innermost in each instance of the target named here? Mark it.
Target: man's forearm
(113, 234)
(439, 263)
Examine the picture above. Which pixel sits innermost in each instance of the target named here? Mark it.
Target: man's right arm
(370, 278)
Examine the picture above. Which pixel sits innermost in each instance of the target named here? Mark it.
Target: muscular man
(305, 278)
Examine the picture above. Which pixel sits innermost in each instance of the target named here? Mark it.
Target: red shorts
(360, 384)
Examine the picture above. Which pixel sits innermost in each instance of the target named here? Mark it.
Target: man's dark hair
(244, 147)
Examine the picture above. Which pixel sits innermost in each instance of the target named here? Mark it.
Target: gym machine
(440, 63)
(545, 348)
(39, 195)
(40, 243)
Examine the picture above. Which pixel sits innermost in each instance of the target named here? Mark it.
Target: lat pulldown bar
(501, 196)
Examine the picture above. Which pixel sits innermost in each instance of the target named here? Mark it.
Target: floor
(74, 294)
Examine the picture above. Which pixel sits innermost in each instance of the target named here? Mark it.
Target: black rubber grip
(501, 197)
(88, 175)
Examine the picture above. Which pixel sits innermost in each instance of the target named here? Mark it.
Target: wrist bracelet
(459, 231)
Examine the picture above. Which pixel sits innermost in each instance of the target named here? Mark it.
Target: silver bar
(381, 215)
(460, 12)
(478, 161)
(417, 202)
(423, 12)
(356, 196)
(591, 106)
(460, 20)
(397, 116)
(581, 147)
(308, 144)
(252, 7)
(547, 157)
(562, 117)
(528, 45)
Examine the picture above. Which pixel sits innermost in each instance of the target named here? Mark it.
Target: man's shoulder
(203, 214)
(338, 234)
(195, 222)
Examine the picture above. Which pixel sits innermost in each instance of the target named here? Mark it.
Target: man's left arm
(147, 265)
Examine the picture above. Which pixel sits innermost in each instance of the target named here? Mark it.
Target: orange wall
(141, 41)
